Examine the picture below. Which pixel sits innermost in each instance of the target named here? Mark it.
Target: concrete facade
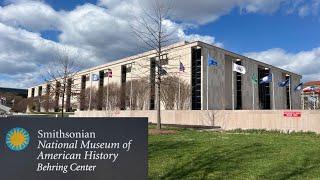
(219, 94)
(220, 78)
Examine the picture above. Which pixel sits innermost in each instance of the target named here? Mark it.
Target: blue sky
(69, 4)
(284, 33)
(258, 32)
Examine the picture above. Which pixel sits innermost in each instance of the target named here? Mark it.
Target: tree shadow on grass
(212, 163)
(287, 170)
(160, 147)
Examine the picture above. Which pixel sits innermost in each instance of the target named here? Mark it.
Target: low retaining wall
(228, 120)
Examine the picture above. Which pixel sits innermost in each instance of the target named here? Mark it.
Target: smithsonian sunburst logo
(17, 139)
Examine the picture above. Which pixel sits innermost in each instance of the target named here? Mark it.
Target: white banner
(239, 69)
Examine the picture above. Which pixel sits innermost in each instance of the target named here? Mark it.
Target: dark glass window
(39, 100)
(238, 89)
(123, 86)
(288, 93)
(39, 90)
(68, 99)
(100, 90)
(196, 78)
(152, 83)
(47, 97)
(83, 92)
(32, 92)
(57, 96)
(83, 81)
(101, 78)
(264, 89)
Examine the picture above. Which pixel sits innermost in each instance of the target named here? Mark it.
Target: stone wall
(228, 120)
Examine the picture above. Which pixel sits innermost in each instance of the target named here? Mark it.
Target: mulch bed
(161, 132)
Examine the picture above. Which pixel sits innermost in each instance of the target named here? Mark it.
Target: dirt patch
(161, 132)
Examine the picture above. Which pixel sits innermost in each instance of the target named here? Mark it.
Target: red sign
(292, 114)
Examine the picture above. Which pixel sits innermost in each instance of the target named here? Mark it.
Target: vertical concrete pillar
(249, 90)
(295, 95)
(215, 79)
(280, 92)
(227, 82)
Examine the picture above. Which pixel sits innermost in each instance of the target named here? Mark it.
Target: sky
(284, 33)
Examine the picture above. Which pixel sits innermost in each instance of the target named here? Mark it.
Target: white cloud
(303, 7)
(92, 27)
(206, 39)
(306, 63)
(5, 2)
(315, 7)
(23, 53)
(205, 11)
(99, 32)
(304, 11)
(31, 15)
(23, 80)
(88, 26)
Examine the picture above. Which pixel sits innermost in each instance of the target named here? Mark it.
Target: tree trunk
(158, 91)
(62, 111)
(158, 105)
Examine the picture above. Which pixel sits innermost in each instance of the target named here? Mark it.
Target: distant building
(315, 84)
(209, 87)
(8, 96)
(311, 95)
(18, 92)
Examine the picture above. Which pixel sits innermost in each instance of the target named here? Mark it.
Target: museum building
(206, 77)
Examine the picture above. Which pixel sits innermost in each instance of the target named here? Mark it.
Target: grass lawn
(191, 154)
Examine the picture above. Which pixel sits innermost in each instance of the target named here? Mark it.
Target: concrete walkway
(4, 108)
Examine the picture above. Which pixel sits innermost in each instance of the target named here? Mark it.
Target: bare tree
(169, 91)
(139, 94)
(60, 75)
(30, 104)
(184, 101)
(151, 30)
(175, 93)
(94, 98)
(114, 94)
(46, 102)
(20, 105)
